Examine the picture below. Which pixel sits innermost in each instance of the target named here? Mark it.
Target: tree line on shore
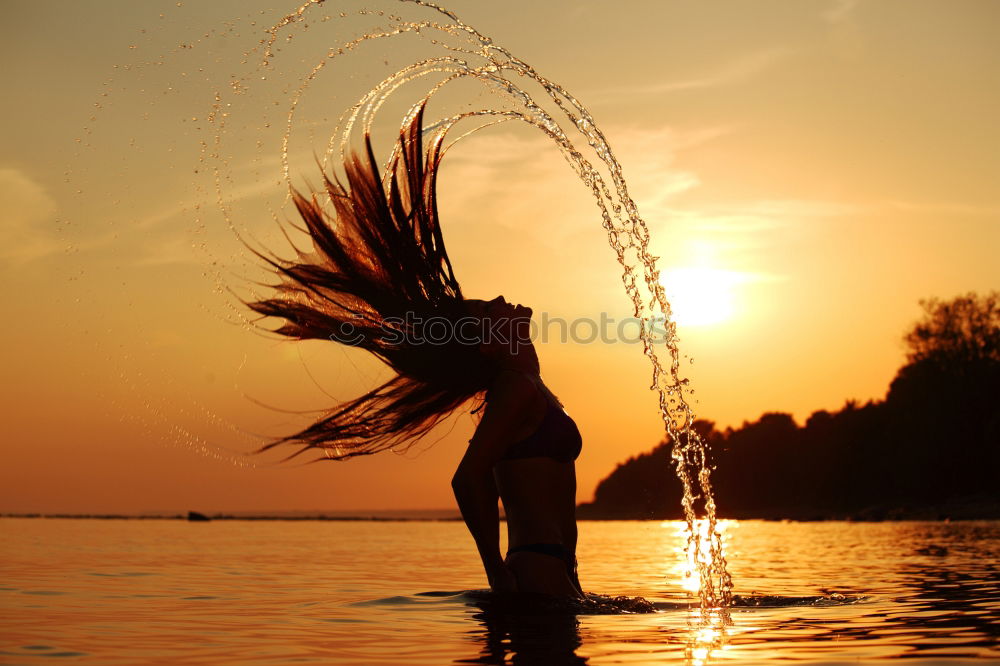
(929, 450)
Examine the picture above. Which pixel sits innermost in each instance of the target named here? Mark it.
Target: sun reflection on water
(684, 566)
(707, 632)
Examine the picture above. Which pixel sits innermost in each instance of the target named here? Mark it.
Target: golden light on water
(703, 641)
(684, 565)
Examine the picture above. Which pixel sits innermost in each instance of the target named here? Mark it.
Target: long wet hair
(380, 265)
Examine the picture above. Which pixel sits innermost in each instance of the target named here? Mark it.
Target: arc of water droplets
(625, 228)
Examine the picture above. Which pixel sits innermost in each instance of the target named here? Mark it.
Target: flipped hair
(380, 257)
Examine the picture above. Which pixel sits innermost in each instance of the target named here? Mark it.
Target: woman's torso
(538, 484)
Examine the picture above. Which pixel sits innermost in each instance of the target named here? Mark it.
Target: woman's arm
(473, 483)
(477, 499)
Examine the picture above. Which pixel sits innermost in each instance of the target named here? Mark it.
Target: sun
(700, 296)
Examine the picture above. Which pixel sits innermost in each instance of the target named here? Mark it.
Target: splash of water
(484, 85)
(518, 93)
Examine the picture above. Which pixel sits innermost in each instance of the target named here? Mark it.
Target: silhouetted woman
(380, 279)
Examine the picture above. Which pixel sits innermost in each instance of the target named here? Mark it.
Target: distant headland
(929, 451)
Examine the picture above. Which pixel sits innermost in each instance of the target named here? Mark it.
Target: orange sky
(808, 171)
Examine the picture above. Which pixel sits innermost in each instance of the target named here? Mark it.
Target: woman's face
(499, 307)
(506, 326)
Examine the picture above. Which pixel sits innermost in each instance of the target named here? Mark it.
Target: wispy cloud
(735, 241)
(840, 10)
(788, 208)
(166, 250)
(844, 32)
(737, 70)
(249, 203)
(502, 181)
(500, 176)
(29, 224)
(945, 208)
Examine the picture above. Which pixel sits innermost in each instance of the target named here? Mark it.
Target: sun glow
(701, 296)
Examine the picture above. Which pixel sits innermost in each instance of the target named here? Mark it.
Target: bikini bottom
(553, 550)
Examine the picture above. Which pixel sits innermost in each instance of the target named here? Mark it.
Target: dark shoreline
(972, 507)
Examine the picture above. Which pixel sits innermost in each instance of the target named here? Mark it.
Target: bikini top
(556, 437)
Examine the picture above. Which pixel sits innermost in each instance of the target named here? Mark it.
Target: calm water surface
(227, 592)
